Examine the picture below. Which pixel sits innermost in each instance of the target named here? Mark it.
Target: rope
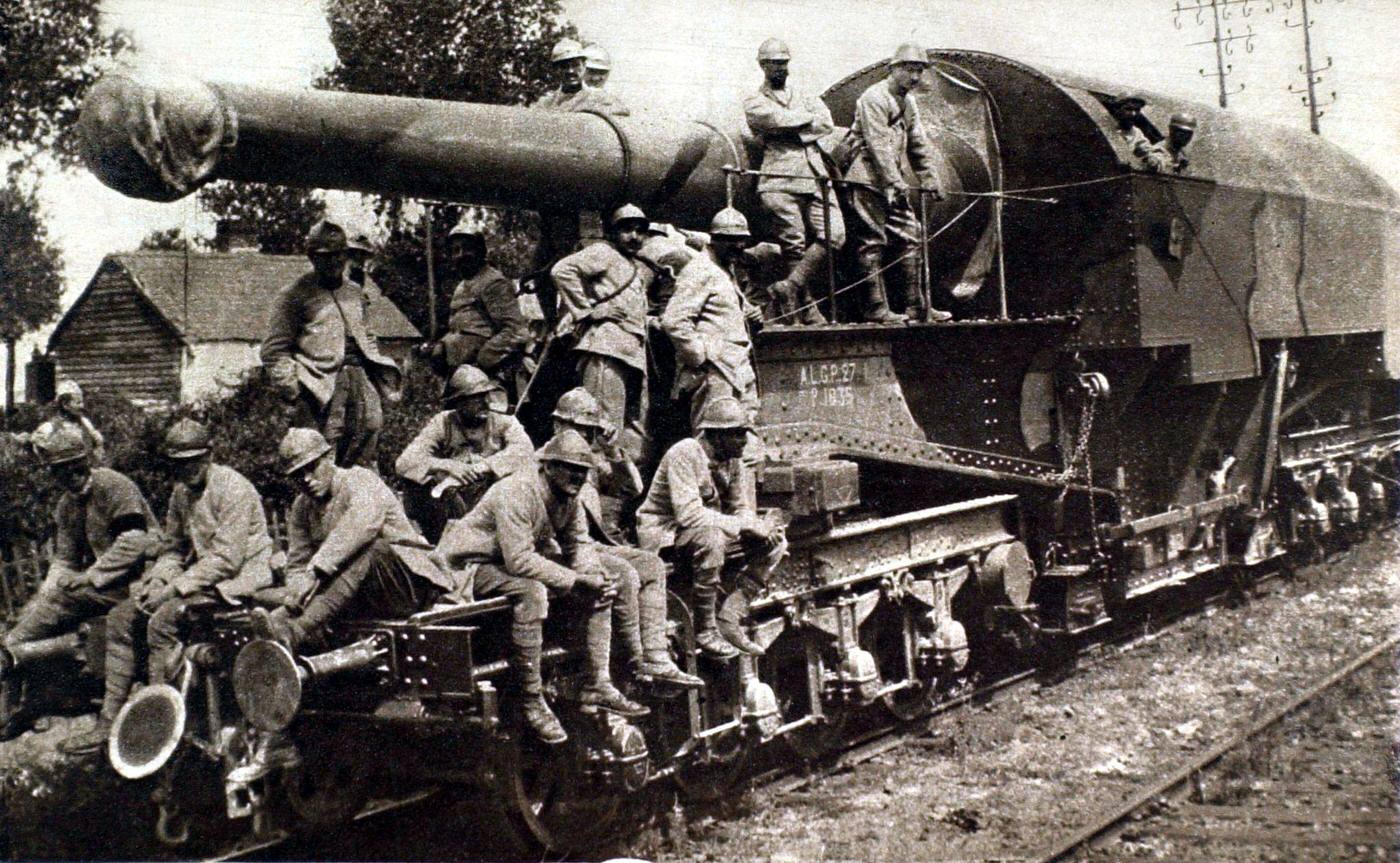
(868, 276)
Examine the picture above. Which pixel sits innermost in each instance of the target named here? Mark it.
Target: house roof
(229, 293)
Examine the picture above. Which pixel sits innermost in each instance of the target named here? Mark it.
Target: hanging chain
(1095, 386)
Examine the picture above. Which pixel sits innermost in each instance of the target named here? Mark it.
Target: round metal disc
(267, 685)
(147, 731)
(1008, 570)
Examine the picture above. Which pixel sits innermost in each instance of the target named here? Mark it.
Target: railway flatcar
(1149, 377)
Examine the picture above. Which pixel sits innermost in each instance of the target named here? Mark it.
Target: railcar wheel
(551, 806)
(328, 788)
(912, 702)
(713, 778)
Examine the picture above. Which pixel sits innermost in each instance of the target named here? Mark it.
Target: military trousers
(134, 634)
(798, 223)
(620, 391)
(350, 421)
(529, 604)
(709, 548)
(375, 584)
(432, 514)
(879, 225)
(65, 599)
(639, 612)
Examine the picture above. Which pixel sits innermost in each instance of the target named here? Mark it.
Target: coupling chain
(1083, 454)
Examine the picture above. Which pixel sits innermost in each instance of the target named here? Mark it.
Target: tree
(49, 54)
(31, 280)
(279, 215)
(493, 51)
(167, 240)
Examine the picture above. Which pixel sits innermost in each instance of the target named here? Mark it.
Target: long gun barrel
(163, 141)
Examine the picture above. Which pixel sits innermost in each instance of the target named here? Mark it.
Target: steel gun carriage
(1152, 379)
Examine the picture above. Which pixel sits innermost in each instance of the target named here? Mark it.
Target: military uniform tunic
(485, 323)
(706, 323)
(586, 98)
(890, 141)
(500, 442)
(218, 536)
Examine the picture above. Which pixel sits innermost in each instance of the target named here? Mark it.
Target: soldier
(888, 138)
(603, 306)
(639, 610)
(707, 320)
(789, 123)
(347, 540)
(105, 534)
(68, 409)
(697, 505)
(597, 65)
(528, 538)
(485, 328)
(322, 359)
(1126, 108)
(1170, 154)
(216, 548)
(573, 94)
(460, 453)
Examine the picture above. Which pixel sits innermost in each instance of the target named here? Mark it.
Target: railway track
(1353, 807)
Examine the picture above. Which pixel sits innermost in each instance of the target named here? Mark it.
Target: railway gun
(1149, 377)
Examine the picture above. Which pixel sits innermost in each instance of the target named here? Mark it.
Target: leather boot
(809, 270)
(527, 640)
(707, 635)
(877, 308)
(656, 660)
(661, 668)
(602, 694)
(783, 294)
(914, 308)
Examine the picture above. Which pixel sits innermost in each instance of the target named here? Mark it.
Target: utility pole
(1312, 73)
(1224, 42)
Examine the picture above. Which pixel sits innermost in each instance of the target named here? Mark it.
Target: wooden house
(161, 327)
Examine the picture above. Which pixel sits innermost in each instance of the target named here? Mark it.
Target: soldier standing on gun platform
(888, 136)
(485, 328)
(603, 304)
(789, 124)
(321, 358)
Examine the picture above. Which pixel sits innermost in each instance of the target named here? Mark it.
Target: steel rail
(1183, 775)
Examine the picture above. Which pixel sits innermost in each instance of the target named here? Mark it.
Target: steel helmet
(1183, 121)
(597, 57)
(69, 387)
(664, 252)
(773, 49)
(578, 406)
(325, 236)
(723, 413)
(910, 53)
(628, 213)
(361, 242)
(186, 439)
(1126, 97)
(60, 443)
(565, 50)
(299, 448)
(467, 381)
(568, 447)
(729, 222)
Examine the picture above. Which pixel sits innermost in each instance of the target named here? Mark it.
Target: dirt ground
(1003, 781)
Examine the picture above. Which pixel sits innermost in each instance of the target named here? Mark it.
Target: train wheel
(912, 702)
(812, 742)
(711, 778)
(329, 787)
(550, 805)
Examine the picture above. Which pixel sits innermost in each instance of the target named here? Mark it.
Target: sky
(696, 59)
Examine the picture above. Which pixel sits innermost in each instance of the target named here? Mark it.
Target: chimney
(235, 235)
